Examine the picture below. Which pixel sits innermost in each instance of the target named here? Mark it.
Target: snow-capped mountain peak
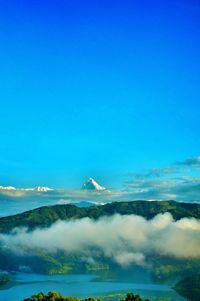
(7, 188)
(42, 188)
(39, 189)
(91, 184)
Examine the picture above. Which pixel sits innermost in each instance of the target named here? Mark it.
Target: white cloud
(132, 241)
(180, 182)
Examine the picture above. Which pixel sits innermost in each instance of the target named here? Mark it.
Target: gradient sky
(96, 88)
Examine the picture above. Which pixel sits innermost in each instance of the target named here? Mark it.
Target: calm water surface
(84, 286)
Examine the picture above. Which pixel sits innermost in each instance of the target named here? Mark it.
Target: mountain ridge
(47, 215)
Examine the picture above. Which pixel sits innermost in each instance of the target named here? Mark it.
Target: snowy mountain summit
(13, 189)
(7, 188)
(43, 189)
(39, 189)
(91, 184)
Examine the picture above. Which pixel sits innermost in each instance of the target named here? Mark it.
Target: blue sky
(97, 88)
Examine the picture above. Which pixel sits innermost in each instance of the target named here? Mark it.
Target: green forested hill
(189, 287)
(47, 215)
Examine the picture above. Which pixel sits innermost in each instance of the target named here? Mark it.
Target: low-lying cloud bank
(125, 239)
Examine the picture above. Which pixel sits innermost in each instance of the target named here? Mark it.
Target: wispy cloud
(193, 162)
(176, 181)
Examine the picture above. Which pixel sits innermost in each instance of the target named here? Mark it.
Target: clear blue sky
(96, 88)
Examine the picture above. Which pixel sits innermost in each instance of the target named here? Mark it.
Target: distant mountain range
(7, 188)
(37, 188)
(89, 185)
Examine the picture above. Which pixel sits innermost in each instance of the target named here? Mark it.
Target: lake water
(85, 286)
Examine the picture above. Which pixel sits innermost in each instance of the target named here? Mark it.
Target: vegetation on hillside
(189, 287)
(4, 279)
(166, 268)
(54, 296)
(44, 262)
(46, 216)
